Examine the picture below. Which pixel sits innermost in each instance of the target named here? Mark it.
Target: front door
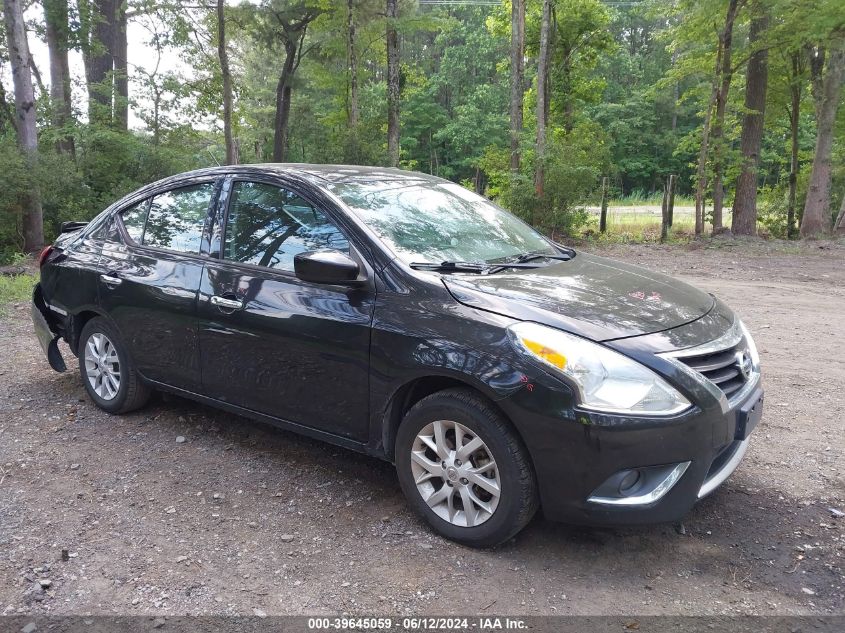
(271, 342)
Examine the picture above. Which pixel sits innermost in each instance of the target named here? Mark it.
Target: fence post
(603, 218)
(664, 214)
(671, 205)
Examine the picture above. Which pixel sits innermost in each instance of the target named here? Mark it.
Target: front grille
(721, 367)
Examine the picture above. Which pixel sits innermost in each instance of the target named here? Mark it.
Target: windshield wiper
(522, 261)
(451, 267)
(468, 267)
(528, 257)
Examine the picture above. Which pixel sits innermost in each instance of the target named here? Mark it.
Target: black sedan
(401, 315)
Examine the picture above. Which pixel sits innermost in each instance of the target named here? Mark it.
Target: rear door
(151, 272)
(271, 342)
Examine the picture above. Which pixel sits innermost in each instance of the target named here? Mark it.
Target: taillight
(45, 254)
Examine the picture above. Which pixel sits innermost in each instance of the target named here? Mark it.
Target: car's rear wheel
(108, 373)
(464, 469)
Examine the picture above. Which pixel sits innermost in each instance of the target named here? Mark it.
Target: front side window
(176, 218)
(436, 221)
(268, 226)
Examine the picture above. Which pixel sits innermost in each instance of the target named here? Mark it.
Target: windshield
(435, 222)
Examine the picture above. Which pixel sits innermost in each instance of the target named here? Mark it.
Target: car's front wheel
(107, 371)
(464, 469)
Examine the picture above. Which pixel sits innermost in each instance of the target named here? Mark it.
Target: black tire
(132, 393)
(518, 500)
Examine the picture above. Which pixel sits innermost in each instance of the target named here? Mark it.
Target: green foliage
(108, 165)
(629, 86)
(574, 165)
(15, 289)
(15, 181)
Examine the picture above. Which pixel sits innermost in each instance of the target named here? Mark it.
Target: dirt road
(180, 509)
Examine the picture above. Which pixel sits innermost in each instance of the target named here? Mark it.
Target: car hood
(592, 296)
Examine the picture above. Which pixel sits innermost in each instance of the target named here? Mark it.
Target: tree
(711, 127)
(796, 82)
(120, 66)
(725, 74)
(744, 221)
(103, 37)
(352, 66)
(542, 89)
(828, 78)
(286, 23)
(701, 171)
(27, 133)
(392, 84)
(517, 81)
(581, 37)
(226, 75)
(57, 32)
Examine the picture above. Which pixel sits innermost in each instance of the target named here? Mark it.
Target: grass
(637, 199)
(15, 289)
(625, 225)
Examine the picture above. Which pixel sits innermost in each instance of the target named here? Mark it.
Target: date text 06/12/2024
(490, 623)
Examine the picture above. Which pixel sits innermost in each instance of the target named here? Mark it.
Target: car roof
(319, 174)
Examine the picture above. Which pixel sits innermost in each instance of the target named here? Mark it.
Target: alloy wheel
(455, 473)
(102, 366)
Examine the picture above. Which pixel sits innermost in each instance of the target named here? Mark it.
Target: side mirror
(326, 267)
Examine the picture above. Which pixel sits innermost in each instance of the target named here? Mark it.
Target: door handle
(110, 280)
(229, 304)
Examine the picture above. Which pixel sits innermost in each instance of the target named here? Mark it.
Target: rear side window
(133, 220)
(176, 218)
(268, 226)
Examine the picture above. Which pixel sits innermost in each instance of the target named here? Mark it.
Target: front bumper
(574, 452)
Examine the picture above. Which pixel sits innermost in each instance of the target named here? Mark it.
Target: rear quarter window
(133, 221)
(176, 218)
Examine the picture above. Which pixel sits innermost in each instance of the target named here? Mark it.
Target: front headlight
(752, 347)
(606, 380)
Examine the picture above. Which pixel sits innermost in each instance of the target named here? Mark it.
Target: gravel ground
(181, 509)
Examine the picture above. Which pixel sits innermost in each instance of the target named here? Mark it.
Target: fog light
(628, 483)
(638, 486)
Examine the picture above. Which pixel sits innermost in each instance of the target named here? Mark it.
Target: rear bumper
(46, 329)
(574, 457)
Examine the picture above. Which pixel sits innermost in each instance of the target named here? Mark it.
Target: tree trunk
(226, 75)
(120, 54)
(18, 49)
(542, 84)
(816, 218)
(517, 70)
(839, 225)
(569, 101)
(701, 172)
(283, 96)
(57, 31)
(97, 54)
(744, 220)
(726, 74)
(392, 84)
(352, 61)
(676, 94)
(794, 120)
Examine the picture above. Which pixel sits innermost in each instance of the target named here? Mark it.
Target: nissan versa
(406, 317)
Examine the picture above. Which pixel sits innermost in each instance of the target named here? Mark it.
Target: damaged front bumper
(47, 329)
